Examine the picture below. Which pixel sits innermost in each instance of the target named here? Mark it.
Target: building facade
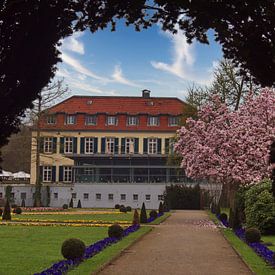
(114, 148)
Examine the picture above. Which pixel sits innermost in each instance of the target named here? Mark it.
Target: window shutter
(61, 149)
(41, 145)
(123, 146)
(82, 145)
(54, 144)
(167, 145)
(136, 146)
(116, 145)
(145, 146)
(75, 145)
(103, 145)
(159, 145)
(40, 173)
(95, 145)
(61, 173)
(53, 174)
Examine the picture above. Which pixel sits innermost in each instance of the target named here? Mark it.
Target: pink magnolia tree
(230, 147)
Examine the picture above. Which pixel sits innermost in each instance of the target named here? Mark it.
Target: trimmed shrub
(23, 204)
(71, 205)
(79, 204)
(115, 231)
(117, 206)
(136, 217)
(252, 235)
(165, 207)
(223, 217)
(1, 211)
(65, 206)
(260, 207)
(7, 211)
(143, 214)
(153, 214)
(72, 249)
(122, 209)
(17, 210)
(128, 208)
(161, 208)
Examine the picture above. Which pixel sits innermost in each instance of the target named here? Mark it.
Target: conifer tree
(71, 205)
(136, 218)
(143, 214)
(23, 204)
(7, 211)
(161, 208)
(79, 204)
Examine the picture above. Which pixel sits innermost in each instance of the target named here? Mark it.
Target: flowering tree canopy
(230, 146)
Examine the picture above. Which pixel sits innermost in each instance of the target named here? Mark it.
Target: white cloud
(74, 63)
(72, 44)
(119, 78)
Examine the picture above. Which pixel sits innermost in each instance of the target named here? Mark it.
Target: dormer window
(132, 120)
(173, 121)
(111, 120)
(153, 121)
(90, 120)
(51, 119)
(70, 119)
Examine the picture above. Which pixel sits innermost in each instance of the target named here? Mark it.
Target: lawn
(26, 249)
(269, 239)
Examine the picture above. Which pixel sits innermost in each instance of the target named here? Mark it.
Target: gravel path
(186, 243)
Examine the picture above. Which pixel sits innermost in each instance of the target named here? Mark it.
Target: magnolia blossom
(230, 146)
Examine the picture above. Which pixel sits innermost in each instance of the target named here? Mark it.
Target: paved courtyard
(186, 243)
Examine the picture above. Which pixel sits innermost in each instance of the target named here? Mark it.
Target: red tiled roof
(119, 104)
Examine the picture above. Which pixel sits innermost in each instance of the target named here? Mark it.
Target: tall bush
(79, 204)
(7, 211)
(161, 208)
(260, 207)
(136, 217)
(143, 214)
(71, 205)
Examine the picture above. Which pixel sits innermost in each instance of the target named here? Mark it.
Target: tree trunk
(234, 217)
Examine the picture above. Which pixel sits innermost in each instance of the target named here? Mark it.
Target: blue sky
(125, 62)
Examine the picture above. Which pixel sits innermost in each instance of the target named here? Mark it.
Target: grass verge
(98, 261)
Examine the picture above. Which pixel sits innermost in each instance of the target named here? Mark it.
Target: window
(110, 148)
(89, 145)
(90, 120)
(70, 119)
(48, 145)
(173, 121)
(55, 196)
(98, 196)
(68, 145)
(86, 196)
(123, 197)
(88, 171)
(73, 196)
(47, 173)
(152, 145)
(1, 195)
(67, 174)
(160, 197)
(147, 197)
(111, 120)
(51, 119)
(110, 197)
(135, 197)
(153, 121)
(23, 195)
(129, 145)
(132, 120)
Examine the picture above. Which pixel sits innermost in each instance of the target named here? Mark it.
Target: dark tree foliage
(71, 205)
(79, 204)
(30, 30)
(143, 214)
(7, 211)
(182, 197)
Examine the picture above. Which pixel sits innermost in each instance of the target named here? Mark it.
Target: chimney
(146, 93)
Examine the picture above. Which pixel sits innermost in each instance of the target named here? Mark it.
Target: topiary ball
(223, 217)
(117, 206)
(65, 206)
(115, 231)
(72, 249)
(122, 209)
(128, 208)
(252, 235)
(153, 214)
(17, 210)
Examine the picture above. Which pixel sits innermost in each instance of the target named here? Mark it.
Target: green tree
(143, 214)
(7, 211)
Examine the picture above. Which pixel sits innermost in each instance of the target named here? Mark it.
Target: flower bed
(152, 218)
(259, 248)
(70, 212)
(63, 266)
(42, 209)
